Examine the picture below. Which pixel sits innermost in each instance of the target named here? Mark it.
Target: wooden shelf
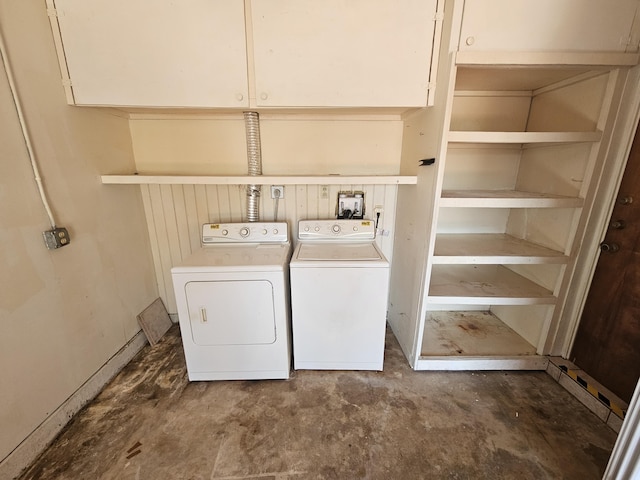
(475, 363)
(489, 248)
(523, 137)
(505, 199)
(484, 285)
(259, 180)
(564, 59)
(471, 333)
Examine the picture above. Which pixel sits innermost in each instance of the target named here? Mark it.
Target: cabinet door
(547, 25)
(160, 53)
(342, 52)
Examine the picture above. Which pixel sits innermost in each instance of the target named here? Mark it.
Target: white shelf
(563, 59)
(259, 180)
(471, 333)
(489, 248)
(505, 199)
(523, 137)
(451, 363)
(484, 285)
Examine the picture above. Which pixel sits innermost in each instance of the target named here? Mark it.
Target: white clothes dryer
(233, 303)
(339, 291)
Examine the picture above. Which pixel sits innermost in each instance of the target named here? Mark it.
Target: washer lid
(359, 252)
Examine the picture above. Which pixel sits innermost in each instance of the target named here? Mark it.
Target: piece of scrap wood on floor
(155, 321)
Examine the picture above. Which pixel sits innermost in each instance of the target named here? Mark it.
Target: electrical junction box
(56, 238)
(350, 205)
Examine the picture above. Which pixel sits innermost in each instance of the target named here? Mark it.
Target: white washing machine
(339, 291)
(233, 303)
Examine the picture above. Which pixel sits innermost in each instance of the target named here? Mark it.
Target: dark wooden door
(607, 345)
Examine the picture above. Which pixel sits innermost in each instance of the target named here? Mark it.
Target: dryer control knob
(275, 231)
(317, 229)
(244, 232)
(335, 228)
(355, 229)
(306, 229)
(225, 232)
(264, 231)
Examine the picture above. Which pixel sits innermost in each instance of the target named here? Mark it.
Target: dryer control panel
(343, 230)
(250, 232)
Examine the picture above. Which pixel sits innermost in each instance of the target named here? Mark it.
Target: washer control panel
(344, 230)
(254, 232)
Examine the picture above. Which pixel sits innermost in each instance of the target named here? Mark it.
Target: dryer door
(231, 312)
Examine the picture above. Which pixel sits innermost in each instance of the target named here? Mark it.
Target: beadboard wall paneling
(175, 214)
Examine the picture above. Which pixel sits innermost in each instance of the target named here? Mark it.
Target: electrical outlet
(324, 191)
(378, 210)
(277, 191)
(56, 238)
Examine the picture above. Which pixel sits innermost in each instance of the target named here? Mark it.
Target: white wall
(292, 144)
(320, 144)
(175, 214)
(63, 313)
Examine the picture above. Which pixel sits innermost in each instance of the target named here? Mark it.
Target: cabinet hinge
(431, 86)
(66, 82)
(52, 12)
(438, 17)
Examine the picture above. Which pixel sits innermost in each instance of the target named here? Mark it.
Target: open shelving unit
(512, 186)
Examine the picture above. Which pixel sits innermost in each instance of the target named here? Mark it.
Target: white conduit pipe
(254, 156)
(25, 131)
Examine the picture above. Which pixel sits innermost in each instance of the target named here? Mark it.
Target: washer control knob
(275, 231)
(317, 229)
(355, 229)
(225, 232)
(265, 231)
(335, 228)
(244, 232)
(306, 229)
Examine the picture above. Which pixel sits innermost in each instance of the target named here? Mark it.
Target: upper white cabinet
(342, 52)
(245, 53)
(548, 25)
(160, 53)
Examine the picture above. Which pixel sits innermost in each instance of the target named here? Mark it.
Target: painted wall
(63, 313)
(292, 144)
(175, 214)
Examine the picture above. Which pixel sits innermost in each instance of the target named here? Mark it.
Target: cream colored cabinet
(311, 53)
(160, 53)
(300, 53)
(549, 25)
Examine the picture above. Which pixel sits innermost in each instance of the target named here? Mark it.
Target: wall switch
(277, 191)
(56, 238)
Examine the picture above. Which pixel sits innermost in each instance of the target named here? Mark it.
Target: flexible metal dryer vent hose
(254, 156)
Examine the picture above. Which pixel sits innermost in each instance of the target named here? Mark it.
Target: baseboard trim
(602, 402)
(38, 440)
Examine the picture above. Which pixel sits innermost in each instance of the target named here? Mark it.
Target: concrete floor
(150, 423)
